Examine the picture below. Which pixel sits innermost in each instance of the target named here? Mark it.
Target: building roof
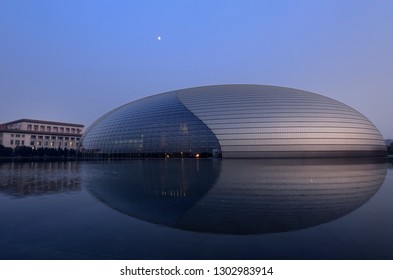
(42, 121)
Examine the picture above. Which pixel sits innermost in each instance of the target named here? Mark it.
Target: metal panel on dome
(267, 121)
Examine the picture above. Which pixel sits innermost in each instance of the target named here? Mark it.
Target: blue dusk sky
(73, 61)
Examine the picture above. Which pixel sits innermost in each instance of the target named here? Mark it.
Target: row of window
(18, 135)
(54, 137)
(48, 128)
(53, 144)
(44, 143)
(17, 142)
(46, 137)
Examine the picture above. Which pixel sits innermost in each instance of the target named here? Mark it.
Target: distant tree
(23, 151)
(390, 149)
(5, 151)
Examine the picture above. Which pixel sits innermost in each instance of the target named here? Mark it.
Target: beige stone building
(40, 134)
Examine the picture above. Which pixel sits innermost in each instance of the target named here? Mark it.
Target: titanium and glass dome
(233, 121)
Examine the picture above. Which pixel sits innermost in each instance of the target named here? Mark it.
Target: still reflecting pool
(237, 196)
(197, 209)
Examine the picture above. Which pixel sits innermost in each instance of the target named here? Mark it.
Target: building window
(48, 128)
(39, 136)
(46, 143)
(23, 142)
(55, 129)
(46, 137)
(38, 143)
(33, 136)
(17, 142)
(11, 142)
(62, 129)
(35, 127)
(53, 137)
(42, 128)
(12, 135)
(17, 135)
(60, 138)
(29, 127)
(68, 130)
(52, 143)
(31, 143)
(23, 136)
(65, 144)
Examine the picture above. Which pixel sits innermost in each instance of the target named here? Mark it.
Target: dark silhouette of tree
(5, 151)
(23, 151)
(390, 149)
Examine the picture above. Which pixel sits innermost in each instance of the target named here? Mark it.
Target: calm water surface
(197, 209)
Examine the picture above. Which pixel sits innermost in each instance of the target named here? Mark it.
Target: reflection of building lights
(197, 155)
(183, 127)
(167, 156)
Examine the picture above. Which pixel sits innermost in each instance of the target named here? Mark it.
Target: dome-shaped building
(233, 121)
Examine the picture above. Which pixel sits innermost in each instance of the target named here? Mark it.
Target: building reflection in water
(236, 196)
(39, 178)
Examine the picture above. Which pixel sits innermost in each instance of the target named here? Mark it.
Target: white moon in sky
(159, 38)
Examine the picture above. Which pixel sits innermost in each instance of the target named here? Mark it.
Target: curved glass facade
(158, 126)
(235, 121)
